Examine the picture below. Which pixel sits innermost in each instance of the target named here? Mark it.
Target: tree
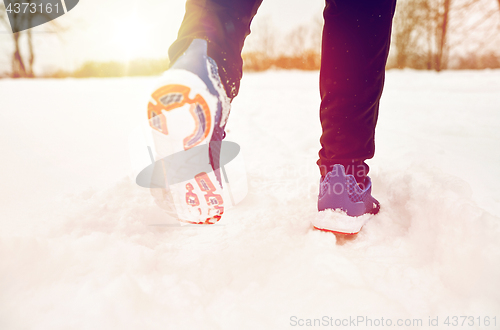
(421, 33)
(407, 31)
(22, 65)
(426, 31)
(441, 35)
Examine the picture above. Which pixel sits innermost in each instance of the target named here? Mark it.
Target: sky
(112, 30)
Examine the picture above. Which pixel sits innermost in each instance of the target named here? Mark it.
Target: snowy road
(80, 247)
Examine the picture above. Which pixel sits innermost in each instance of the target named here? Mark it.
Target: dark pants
(356, 38)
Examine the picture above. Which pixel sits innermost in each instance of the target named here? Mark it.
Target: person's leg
(224, 24)
(356, 38)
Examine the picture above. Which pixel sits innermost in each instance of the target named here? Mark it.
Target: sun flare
(131, 37)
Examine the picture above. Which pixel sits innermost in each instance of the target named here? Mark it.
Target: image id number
(33, 8)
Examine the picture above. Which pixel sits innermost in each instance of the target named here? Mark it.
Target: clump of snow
(338, 221)
(83, 247)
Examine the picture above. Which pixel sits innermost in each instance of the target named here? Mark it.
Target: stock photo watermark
(26, 14)
(194, 186)
(365, 321)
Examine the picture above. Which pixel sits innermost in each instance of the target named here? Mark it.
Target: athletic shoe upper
(341, 191)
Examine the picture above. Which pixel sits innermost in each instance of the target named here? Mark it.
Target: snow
(83, 247)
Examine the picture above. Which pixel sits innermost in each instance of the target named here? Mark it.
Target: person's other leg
(356, 38)
(224, 24)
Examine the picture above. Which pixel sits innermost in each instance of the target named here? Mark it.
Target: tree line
(427, 35)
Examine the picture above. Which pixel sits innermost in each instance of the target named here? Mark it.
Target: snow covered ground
(83, 247)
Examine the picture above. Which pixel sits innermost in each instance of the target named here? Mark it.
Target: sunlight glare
(131, 37)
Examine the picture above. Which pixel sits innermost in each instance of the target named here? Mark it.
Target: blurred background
(115, 38)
